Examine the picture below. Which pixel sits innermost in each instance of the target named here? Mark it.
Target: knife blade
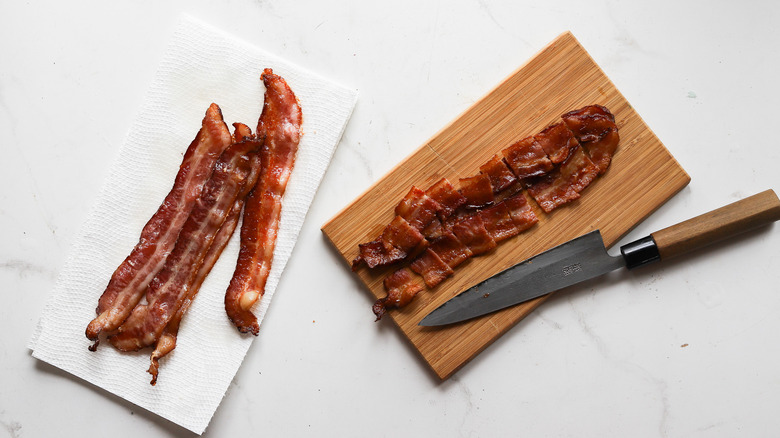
(586, 257)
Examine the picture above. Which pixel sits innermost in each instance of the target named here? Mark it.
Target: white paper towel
(201, 65)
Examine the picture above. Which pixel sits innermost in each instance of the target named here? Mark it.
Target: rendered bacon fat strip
(158, 237)
(555, 166)
(171, 287)
(167, 341)
(280, 124)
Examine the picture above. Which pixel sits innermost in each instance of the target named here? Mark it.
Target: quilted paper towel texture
(201, 65)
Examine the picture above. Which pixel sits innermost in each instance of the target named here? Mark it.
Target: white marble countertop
(684, 349)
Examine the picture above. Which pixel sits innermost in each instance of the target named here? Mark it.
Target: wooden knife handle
(744, 215)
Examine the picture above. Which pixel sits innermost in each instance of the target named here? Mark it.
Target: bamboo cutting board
(560, 78)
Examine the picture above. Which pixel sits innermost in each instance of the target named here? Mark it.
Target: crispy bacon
(398, 241)
(433, 230)
(402, 235)
(405, 236)
(565, 183)
(451, 250)
(418, 208)
(159, 235)
(526, 158)
(377, 252)
(498, 223)
(167, 341)
(521, 212)
(448, 198)
(501, 177)
(400, 290)
(477, 190)
(594, 127)
(171, 287)
(555, 166)
(471, 231)
(280, 124)
(557, 141)
(431, 267)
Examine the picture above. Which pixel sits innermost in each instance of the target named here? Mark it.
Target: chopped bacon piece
(431, 267)
(280, 125)
(521, 212)
(433, 230)
(169, 289)
(446, 196)
(451, 250)
(417, 208)
(477, 190)
(526, 158)
(398, 241)
(158, 237)
(498, 223)
(557, 141)
(400, 288)
(472, 232)
(377, 253)
(402, 235)
(500, 175)
(565, 183)
(594, 127)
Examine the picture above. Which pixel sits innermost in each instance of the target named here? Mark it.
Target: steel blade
(575, 261)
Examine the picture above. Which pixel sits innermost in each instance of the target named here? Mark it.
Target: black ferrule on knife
(640, 252)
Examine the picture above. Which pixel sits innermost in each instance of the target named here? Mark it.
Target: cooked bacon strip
(431, 267)
(400, 290)
(280, 124)
(526, 158)
(451, 250)
(377, 253)
(498, 223)
(501, 177)
(477, 190)
(402, 235)
(399, 240)
(471, 231)
(565, 183)
(170, 288)
(433, 230)
(554, 165)
(521, 212)
(448, 198)
(167, 341)
(158, 237)
(594, 127)
(557, 141)
(418, 208)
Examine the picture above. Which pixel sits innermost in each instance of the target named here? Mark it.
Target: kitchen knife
(586, 257)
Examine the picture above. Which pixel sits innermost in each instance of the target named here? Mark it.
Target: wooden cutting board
(560, 78)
